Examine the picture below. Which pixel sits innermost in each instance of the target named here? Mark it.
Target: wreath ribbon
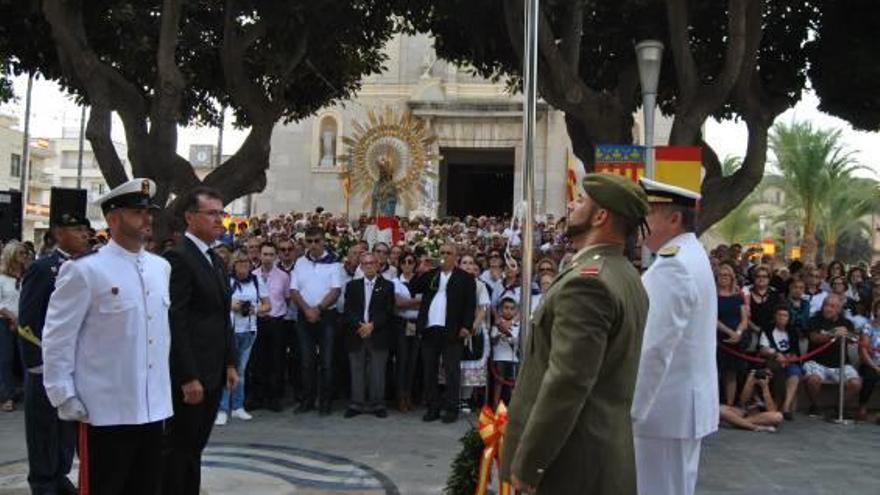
(492, 426)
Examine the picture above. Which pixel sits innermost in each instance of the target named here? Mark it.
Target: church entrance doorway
(476, 181)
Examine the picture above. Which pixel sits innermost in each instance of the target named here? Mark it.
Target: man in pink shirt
(271, 339)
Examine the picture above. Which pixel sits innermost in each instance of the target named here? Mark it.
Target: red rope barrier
(788, 360)
(494, 370)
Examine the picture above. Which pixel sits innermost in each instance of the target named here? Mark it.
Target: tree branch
(299, 53)
(246, 94)
(573, 25)
(170, 86)
(680, 46)
(104, 86)
(98, 132)
(245, 171)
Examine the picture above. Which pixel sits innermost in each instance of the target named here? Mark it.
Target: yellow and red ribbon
(492, 427)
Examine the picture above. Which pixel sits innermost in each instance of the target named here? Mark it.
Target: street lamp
(649, 56)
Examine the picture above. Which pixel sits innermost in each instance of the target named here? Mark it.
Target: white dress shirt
(437, 310)
(9, 292)
(106, 340)
(203, 248)
(368, 295)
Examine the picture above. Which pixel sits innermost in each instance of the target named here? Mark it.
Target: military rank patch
(669, 251)
(589, 271)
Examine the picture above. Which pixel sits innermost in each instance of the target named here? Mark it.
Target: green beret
(618, 194)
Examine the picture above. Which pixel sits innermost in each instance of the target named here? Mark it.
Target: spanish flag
(680, 166)
(574, 173)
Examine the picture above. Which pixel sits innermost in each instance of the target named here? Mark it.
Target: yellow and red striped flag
(680, 166)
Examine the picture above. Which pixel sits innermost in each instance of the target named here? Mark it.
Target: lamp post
(649, 56)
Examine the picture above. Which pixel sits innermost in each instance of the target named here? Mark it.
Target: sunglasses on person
(446, 253)
(314, 241)
(409, 261)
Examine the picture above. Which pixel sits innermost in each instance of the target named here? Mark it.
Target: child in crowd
(777, 346)
(505, 348)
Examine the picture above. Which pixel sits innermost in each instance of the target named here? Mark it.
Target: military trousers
(50, 441)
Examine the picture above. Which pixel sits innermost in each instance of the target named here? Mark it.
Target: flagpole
(530, 74)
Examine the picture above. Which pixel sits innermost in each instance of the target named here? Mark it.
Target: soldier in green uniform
(569, 429)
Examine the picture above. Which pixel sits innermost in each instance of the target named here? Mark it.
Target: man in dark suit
(446, 315)
(369, 308)
(50, 441)
(202, 339)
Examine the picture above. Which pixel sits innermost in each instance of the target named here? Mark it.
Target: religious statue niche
(328, 133)
(388, 161)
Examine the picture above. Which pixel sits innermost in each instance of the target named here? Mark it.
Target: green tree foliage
(740, 225)
(814, 170)
(741, 59)
(160, 64)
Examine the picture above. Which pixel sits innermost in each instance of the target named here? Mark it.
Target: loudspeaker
(10, 216)
(66, 200)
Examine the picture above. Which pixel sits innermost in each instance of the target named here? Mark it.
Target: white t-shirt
(314, 280)
(400, 289)
(781, 339)
(9, 292)
(505, 348)
(247, 291)
(437, 311)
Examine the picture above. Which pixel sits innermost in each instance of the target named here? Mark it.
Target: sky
(52, 111)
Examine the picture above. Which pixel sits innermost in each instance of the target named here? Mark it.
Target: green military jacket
(569, 429)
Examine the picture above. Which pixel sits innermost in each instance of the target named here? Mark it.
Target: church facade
(478, 125)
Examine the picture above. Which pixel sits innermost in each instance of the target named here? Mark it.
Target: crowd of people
(307, 311)
(297, 344)
(783, 324)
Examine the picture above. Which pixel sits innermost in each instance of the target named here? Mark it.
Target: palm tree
(844, 209)
(740, 225)
(809, 162)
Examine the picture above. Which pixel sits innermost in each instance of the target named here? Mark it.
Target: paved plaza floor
(279, 453)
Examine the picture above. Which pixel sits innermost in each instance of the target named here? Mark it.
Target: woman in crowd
(869, 352)
(250, 299)
(544, 282)
(476, 354)
(835, 269)
(762, 301)
(407, 313)
(733, 321)
(13, 262)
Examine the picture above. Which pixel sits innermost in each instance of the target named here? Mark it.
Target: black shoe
(350, 413)
(431, 415)
(813, 411)
(788, 416)
(324, 409)
(65, 487)
(274, 405)
(450, 417)
(381, 413)
(304, 407)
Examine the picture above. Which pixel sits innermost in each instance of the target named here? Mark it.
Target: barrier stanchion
(841, 388)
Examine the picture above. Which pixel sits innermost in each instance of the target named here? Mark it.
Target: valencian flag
(627, 160)
(680, 166)
(574, 173)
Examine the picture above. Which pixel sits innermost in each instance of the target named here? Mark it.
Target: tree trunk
(809, 242)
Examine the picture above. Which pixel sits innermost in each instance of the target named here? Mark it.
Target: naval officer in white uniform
(676, 396)
(105, 350)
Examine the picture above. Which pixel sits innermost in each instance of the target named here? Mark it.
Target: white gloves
(73, 410)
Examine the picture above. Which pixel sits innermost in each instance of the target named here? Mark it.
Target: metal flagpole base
(839, 421)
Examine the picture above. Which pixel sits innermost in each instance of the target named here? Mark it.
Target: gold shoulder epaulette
(669, 251)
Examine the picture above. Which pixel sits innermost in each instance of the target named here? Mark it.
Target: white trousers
(667, 466)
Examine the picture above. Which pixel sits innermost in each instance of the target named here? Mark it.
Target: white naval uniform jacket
(676, 394)
(106, 340)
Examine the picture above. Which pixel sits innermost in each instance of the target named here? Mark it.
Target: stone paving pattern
(808, 456)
